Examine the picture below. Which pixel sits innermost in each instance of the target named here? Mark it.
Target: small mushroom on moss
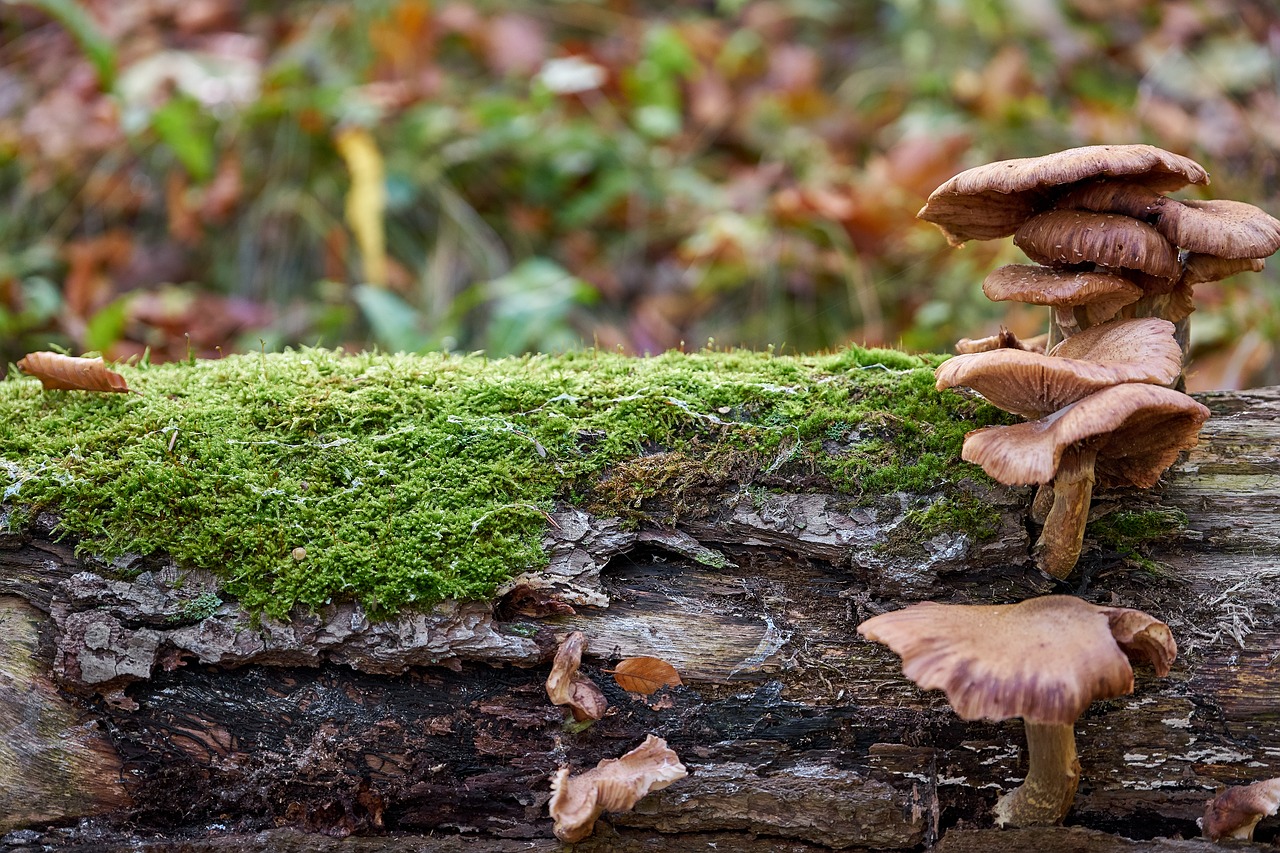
(1044, 660)
(613, 785)
(1125, 435)
(1079, 299)
(993, 200)
(1003, 339)
(566, 686)
(1236, 811)
(1034, 385)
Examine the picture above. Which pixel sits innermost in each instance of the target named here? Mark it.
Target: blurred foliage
(510, 176)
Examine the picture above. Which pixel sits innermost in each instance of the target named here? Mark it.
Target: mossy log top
(406, 480)
(734, 514)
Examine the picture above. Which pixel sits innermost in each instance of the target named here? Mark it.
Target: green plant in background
(746, 171)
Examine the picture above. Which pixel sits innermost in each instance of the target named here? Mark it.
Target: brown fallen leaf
(613, 785)
(645, 674)
(565, 686)
(58, 372)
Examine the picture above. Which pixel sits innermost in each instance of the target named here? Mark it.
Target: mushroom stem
(1063, 533)
(1064, 319)
(1042, 503)
(1053, 772)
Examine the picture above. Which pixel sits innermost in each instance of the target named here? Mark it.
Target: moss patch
(1127, 531)
(407, 479)
(965, 514)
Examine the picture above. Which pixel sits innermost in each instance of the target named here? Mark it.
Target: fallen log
(147, 704)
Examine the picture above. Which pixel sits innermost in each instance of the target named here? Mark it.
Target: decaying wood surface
(128, 704)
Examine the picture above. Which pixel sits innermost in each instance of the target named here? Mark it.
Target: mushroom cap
(1044, 659)
(1236, 811)
(613, 785)
(1131, 199)
(1198, 268)
(1102, 293)
(1138, 431)
(1004, 339)
(991, 201)
(1032, 385)
(1228, 229)
(1063, 237)
(566, 686)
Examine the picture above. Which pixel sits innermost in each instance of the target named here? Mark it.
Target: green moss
(1126, 532)
(201, 607)
(408, 479)
(965, 514)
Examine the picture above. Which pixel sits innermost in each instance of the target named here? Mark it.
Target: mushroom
(613, 785)
(1003, 339)
(992, 200)
(566, 686)
(1044, 660)
(1033, 385)
(1236, 811)
(1071, 237)
(1123, 435)
(1079, 299)
(1228, 229)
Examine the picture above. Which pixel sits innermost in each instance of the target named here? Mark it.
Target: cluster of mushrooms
(1116, 261)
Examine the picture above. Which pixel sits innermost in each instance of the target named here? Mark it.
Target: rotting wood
(793, 729)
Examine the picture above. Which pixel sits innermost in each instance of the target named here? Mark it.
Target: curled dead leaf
(566, 686)
(58, 372)
(645, 675)
(613, 785)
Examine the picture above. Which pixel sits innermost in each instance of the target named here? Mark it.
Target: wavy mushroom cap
(1124, 197)
(613, 785)
(992, 200)
(1138, 431)
(1044, 659)
(1068, 237)
(1236, 811)
(1228, 229)
(1004, 339)
(1101, 294)
(1198, 268)
(1032, 384)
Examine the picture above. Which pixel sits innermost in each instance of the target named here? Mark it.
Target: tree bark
(144, 703)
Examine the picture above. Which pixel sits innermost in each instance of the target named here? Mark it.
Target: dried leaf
(366, 200)
(565, 686)
(613, 785)
(58, 372)
(645, 675)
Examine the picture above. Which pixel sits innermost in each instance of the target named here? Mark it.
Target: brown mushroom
(1072, 237)
(1003, 339)
(1044, 660)
(1228, 229)
(1199, 268)
(1123, 435)
(1078, 299)
(992, 200)
(613, 785)
(566, 686)
(1132, 200)
(1236, 811)
(1033, 385)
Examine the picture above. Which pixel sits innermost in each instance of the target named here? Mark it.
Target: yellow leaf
(366, 200)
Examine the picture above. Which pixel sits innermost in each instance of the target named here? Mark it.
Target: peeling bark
(193, 720)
